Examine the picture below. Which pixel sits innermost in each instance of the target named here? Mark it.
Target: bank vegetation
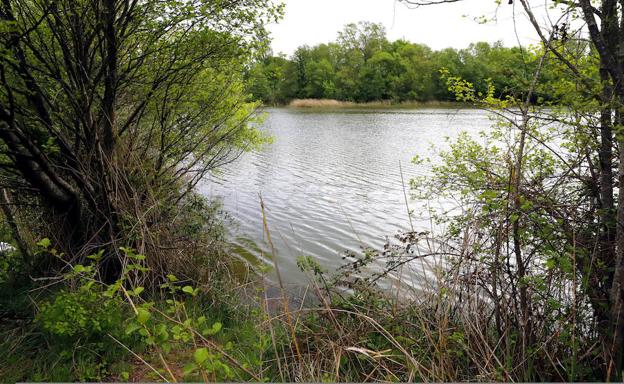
(115, 268)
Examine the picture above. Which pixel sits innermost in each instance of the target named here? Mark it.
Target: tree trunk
(22, 245)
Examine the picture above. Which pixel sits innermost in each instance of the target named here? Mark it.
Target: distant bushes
(362, 65)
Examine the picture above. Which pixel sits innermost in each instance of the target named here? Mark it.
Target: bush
(81, 315)
(79, 327)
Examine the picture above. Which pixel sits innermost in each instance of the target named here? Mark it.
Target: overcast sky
(449, 25)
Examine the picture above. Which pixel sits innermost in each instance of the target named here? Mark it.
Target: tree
(264, 80)
(358, 44)
(594, 93)
(415, 80)
(111, 111)
(362, 65)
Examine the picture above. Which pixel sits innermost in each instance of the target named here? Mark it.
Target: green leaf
(172, 278)
(188, 289)
(163, 336)
(96, 256)
(131, 328)
(143, 315)
(44, 243)
(137, 291)
(189, 368)
(216, 327)
(200, 355)
(112, 289)
(551, 263)
(161, 332)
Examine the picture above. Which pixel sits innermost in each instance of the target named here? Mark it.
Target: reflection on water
(331, 180)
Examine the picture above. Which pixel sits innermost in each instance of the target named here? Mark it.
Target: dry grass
(444, 334)
(332, 103)
(320, 103)
(443, 325)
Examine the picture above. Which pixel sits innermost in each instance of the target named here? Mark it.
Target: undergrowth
(364, 326)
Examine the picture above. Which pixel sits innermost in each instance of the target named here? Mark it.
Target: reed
(332, 103)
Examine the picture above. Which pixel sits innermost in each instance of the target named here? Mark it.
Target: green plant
(79, 323)
(79, 315)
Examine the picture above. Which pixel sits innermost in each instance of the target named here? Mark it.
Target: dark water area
(331, 180)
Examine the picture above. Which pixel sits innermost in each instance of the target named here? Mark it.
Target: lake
(331, 180)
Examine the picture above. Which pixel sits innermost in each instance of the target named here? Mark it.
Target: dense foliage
(362, 65)
(112, 111)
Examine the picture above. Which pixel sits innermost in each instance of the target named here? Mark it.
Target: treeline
(362, 65)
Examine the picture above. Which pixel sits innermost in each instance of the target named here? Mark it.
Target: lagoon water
(331, 180)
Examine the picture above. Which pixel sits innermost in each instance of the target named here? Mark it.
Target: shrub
(81, 315)
(78, 323)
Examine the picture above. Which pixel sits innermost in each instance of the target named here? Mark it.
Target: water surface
(331, 180)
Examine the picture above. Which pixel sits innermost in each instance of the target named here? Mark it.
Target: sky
(313, 22)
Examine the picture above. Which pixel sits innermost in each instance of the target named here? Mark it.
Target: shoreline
(386, 104)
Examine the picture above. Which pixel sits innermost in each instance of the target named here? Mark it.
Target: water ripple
(331, 180)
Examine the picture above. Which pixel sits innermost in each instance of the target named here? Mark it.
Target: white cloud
(448, 25)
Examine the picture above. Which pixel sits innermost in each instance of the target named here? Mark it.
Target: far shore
(338, 104)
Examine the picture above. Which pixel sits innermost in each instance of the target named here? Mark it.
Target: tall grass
(419, 309)
(439, 324)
